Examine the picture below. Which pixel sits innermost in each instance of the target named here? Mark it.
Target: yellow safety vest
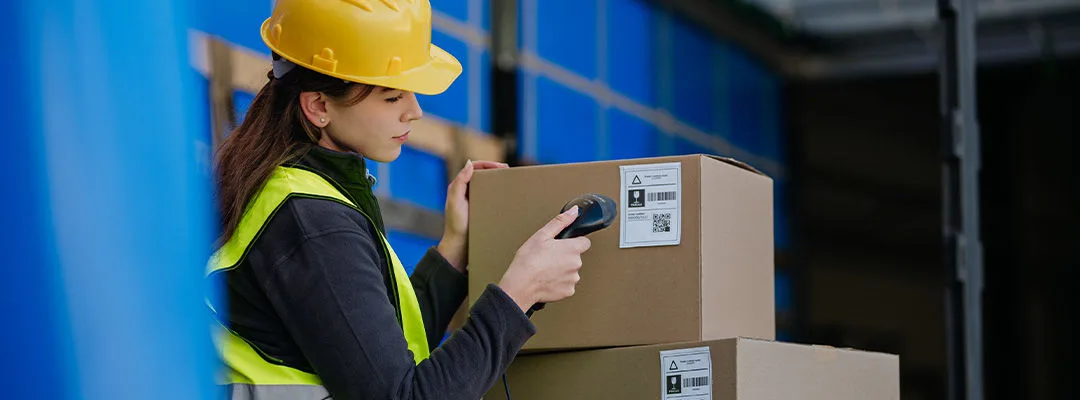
(249, 373)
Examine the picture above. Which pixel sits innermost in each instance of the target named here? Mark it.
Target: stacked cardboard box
(676, 297)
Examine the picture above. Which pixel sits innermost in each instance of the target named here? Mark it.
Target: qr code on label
(661, 222)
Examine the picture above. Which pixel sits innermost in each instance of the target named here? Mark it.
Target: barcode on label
(695, 382)
(661, 196)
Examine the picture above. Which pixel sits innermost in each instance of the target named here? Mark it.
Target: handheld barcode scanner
(595, 212)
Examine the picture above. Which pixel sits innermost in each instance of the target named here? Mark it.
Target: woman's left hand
(453, 246)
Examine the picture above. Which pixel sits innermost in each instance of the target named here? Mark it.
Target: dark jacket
(313, 293)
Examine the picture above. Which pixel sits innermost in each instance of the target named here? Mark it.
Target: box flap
(736, 163)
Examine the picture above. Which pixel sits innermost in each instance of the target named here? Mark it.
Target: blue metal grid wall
(610, 79)
(649, 67)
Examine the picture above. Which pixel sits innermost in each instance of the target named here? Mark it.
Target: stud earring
(322, 120)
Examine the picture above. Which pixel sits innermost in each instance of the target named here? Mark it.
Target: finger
(577, 264)
(575, 246)
(579, 244)
(558, 223)
(488, 165)
(466, 173)
(457, 187)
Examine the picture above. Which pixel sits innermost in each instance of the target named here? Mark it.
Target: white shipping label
(687, 374)
(651, 206)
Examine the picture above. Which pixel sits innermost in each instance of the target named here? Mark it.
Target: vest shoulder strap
(283, 182)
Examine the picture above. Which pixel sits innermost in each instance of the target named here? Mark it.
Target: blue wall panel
(241, 103)
(236, 21)
(692, 79)
(456, 9)
(567, 34)
(744, 98)
(125, 236)
(485, 15)
(525, 116)
(485, 92)
(522, 25)
(630, 59)
(409, 248)
(781, 221)
(683, 146)
(35, 329)
(665, 143)
(784, 298)
(630, 137)
(200, 91)
(771, 114)
(567, 127)
(453, 104)
(721, 87)
(419, 178)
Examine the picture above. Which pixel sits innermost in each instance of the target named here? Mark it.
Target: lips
(403, 137)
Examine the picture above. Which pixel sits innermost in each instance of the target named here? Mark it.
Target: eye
(395, 98)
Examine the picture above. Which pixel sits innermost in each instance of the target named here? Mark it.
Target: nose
(413, 113)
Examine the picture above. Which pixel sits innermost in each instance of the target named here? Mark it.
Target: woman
(318, 303)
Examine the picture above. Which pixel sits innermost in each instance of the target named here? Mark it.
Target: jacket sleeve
(330, 293)
(440, 290)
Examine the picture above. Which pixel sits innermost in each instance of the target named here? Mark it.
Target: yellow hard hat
(377, 42)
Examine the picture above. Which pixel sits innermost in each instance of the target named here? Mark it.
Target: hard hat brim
(437, 76)
(434, 77)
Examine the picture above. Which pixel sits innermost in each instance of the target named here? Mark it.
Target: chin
(386, 155)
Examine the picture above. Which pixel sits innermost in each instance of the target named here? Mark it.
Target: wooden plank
(222, 106)
(405, 217)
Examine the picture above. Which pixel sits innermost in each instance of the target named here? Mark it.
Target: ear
(314, 106)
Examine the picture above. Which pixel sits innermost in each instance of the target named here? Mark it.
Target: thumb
(462, 180)
(466, 173)
(559, 223)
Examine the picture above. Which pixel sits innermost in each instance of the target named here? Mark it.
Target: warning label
(687, 374)
(651, 205)
(636, 198)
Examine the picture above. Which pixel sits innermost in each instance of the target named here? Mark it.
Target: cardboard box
(716, 283)
(738, 369)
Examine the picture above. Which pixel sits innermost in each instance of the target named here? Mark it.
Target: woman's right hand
(544, 269)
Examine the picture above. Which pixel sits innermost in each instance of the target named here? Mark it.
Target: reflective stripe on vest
(240, 391)
(245, 366)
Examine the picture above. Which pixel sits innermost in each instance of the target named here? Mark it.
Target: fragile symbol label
(687, 374)
(636, 198)
(674, 384)
(651, 206)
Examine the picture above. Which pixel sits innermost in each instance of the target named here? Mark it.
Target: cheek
(372, 120)
(370, 113)
(385, 122)
(357, 123)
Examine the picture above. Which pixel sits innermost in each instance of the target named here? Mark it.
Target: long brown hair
(274, 131)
